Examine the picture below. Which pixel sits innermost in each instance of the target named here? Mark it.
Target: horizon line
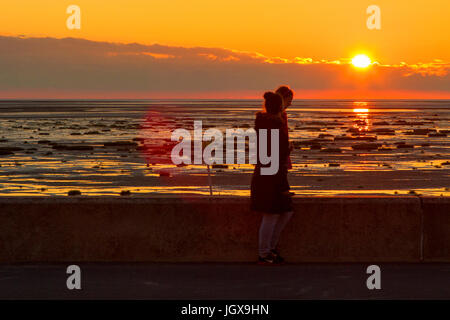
(221, 99)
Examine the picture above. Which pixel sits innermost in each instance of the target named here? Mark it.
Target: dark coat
(269, 192)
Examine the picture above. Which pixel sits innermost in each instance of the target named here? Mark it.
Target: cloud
(60, 67)
(436, 68)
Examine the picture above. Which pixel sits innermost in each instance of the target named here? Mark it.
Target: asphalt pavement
(210, 281)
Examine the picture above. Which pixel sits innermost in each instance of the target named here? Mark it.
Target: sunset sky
(223, 49)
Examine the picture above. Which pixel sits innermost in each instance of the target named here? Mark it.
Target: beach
(106, 147)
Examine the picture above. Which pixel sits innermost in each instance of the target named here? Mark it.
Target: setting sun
(361, 61)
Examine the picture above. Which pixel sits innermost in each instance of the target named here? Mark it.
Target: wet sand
(105, 148)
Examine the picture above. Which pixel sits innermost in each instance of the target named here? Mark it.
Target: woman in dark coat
(268, 192)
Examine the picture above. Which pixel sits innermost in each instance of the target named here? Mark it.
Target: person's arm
(286, 128)
(285, 148)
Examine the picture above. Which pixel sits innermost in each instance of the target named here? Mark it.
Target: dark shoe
(277, 256)
(268, 260)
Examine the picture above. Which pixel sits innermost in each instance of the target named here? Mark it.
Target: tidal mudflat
(50, 148)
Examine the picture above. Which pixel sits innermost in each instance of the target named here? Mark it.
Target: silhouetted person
(286, 97)
(269, 195)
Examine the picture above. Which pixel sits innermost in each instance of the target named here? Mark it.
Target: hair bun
(272, 103)
(268, 94)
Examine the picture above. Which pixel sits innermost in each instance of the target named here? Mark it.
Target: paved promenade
(224, 281)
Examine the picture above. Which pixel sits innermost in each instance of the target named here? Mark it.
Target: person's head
(286, 94)
(272, 103)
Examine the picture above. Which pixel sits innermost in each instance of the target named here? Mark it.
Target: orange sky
(413, 35)
(412, 30)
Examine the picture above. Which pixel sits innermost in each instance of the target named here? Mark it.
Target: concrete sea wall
(221, 229)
